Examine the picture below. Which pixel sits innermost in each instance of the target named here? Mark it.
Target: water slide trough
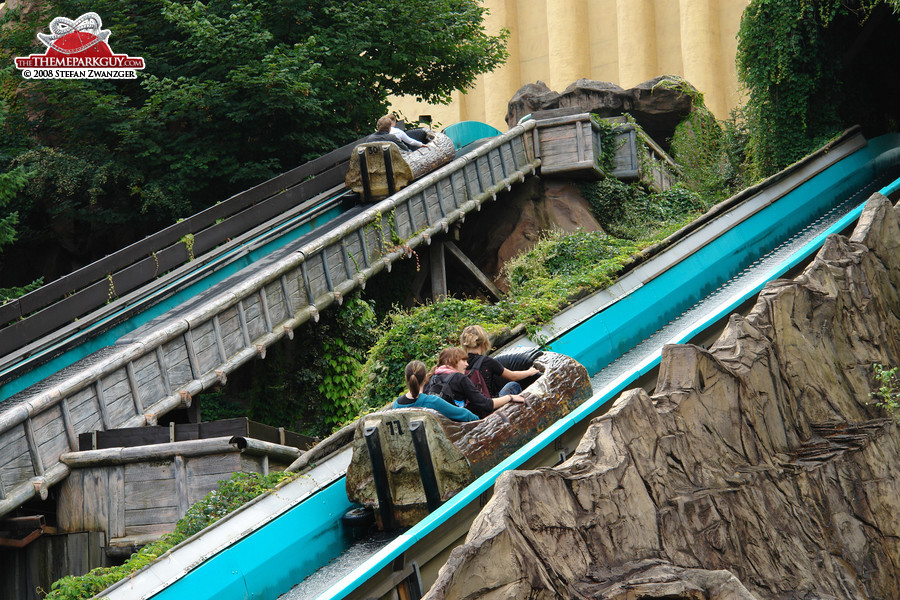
(286, 537)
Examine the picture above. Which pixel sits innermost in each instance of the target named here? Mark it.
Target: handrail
(55, 304)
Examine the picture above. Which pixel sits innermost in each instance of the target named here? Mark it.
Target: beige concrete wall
(625, 42)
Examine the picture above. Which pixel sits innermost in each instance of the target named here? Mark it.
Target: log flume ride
(407, 462)
(282, 537)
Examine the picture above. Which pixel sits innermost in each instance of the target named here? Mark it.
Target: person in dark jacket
(383, 134)
(448, 380)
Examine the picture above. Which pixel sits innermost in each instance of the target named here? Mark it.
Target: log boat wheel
(407, 462)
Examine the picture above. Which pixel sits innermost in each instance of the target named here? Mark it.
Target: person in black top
(499, 379)
(383, 134)
(448, 380)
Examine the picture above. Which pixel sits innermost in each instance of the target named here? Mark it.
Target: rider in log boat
(449, 381)
(383, 134)
(413, 398)
(415, 139)
(498, 377)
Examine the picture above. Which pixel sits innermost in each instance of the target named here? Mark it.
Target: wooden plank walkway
(141, 378)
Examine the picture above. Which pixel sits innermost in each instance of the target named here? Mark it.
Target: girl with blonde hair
(499, 379)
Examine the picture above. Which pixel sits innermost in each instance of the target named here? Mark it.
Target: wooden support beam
(475, 271)
(438, 270)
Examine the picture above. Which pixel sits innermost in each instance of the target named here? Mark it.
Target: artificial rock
(758, 468)
(658, 105)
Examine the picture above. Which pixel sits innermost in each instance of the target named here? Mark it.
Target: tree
(10, 183)
(232, 94)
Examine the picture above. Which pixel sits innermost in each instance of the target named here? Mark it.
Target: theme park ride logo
(78, 50)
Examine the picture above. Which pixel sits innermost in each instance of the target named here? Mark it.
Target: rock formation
(756, 470)
(516, 221)
(656, 105)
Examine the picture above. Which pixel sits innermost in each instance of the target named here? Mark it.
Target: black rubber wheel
(358, 516)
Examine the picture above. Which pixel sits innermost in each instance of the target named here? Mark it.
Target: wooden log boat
(406, 462)
(378, 169)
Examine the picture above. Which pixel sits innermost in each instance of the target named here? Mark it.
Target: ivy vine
(790, 61)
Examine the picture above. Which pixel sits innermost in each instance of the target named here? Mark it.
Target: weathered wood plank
(254, 464)
(253, 313)
(181, 485)
(142, 472)
(335, 264)
(213, 464)
(146, 372)
(271, 304)
(230, 325)
(116, 496)
(140, 517)
(155, 530)
(84, 411)
(117, 392)
(15, 458)
(70, 502)
(178, 366)
(150, 494)
(315, 273)
(50, 434)
(206, 347)
(96, 504)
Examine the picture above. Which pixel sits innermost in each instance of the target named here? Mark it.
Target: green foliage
(342, 358)
(419, 333)
(628, 211)
(608, 144)
(230, 495)
(790, 60)
(10, 183)
(567, 262)
(305, 387)
(710, 152)
(887, 396)
(233, 93)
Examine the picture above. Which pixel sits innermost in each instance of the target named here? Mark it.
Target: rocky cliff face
(756, 470)
(519, 218)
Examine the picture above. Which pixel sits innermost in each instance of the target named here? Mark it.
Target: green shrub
(887, 396)
(230, 495)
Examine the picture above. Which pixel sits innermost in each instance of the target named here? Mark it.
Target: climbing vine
(790, 61)
(709, 152)
(608, 144)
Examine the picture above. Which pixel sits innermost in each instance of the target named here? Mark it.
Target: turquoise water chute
(252, 565)
(466, 132)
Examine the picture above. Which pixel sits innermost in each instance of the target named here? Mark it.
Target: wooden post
(438, 270)
(475, 271)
